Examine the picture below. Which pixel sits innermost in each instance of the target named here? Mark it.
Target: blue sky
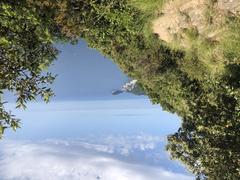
(71, 119)
(85, 132)
(83, 73)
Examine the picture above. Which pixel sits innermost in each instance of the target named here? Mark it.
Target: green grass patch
(150, 9)
(231, 40)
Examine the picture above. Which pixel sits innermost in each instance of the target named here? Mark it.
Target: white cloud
(118, 144)
(74, 160)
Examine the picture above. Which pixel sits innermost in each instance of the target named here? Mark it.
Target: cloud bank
(79, 160)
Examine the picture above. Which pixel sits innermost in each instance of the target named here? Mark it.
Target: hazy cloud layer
(82, 160)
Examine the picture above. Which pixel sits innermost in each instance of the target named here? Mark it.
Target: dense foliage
(25, 49)
(208, 141)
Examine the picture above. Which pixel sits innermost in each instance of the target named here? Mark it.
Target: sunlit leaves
(208, 142)
(7, 120)
(25, 50)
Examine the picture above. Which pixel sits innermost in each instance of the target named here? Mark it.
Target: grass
(202, 54)
(151, 9)
(231, 40)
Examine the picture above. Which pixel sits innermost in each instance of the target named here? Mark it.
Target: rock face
(203, 16)
(130, 87)
(229, 5)
(203, 29)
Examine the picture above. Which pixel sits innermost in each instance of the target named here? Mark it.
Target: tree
(28, 30)
(26, 48)
(208, 141)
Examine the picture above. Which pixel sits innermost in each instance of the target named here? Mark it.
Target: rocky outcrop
(232, 6)
(205, 17)
(130, 87)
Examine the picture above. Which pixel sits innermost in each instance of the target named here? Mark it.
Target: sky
(87, 133)
(83, 73)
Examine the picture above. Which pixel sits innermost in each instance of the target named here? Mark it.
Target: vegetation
(177, 79)
(25, 49)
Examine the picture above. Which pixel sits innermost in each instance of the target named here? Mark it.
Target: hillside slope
(207, 17)
(205, 25)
